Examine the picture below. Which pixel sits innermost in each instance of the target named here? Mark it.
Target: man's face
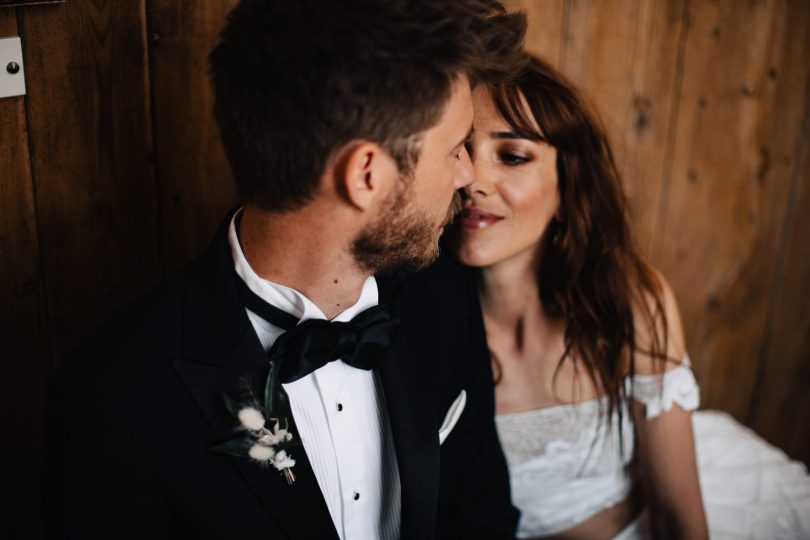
(405, 235)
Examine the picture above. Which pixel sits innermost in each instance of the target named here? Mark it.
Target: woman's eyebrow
(515, 135)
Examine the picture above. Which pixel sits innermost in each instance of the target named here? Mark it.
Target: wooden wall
(111, 177)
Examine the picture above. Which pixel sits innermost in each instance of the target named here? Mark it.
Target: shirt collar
(288, 299)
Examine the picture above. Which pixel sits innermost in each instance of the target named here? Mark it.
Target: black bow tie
(305, 347)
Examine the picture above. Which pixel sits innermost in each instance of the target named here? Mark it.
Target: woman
(593, 385)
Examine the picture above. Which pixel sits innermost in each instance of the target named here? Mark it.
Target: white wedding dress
(566, 464)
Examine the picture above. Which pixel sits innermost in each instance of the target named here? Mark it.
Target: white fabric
(452, 416)
(351, 450)
(567, 463)
(681, 389)
(750, 489)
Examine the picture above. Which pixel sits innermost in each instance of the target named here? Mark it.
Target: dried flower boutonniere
(263, 431)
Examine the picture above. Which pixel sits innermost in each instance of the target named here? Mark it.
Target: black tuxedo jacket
(135, 411)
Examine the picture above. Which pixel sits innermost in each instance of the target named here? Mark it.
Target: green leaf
(235, 447)
(283, 404)
(270, 390)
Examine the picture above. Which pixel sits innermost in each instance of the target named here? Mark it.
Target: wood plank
(781, 409)
(196, 187)
(626, 57)
(739, 117)
(546, 20)
(23, 322)
(89, 121)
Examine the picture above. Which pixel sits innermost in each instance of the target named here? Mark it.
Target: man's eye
(468, 147)
(508, 158)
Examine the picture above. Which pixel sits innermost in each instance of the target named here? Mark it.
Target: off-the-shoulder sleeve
(660, 392)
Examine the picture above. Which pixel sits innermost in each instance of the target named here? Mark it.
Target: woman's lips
(475, 218)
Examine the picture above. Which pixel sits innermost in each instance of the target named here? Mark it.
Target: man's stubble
(403, 238)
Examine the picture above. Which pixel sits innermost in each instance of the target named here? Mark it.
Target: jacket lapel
(220, 352)
(415, 439)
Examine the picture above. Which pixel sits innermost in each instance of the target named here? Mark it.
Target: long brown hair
(591, 276)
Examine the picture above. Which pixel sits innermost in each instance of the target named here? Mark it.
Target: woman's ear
(367, 174)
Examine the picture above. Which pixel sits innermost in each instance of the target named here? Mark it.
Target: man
(345, 124)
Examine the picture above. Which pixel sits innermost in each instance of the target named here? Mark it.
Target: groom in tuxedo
(345, 125)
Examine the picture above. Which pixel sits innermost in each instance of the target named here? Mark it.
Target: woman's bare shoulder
(658, 327)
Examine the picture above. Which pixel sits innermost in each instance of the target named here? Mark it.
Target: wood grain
(89, 121)
(729, 189)
(780, 410)
(196, 187)
(626, 57)
(546, 25)
(23, 322)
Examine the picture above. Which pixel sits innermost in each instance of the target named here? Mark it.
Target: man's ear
(367, 174)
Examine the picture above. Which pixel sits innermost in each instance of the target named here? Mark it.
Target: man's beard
(401, 239)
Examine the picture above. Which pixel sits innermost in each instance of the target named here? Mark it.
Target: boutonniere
(263, 431)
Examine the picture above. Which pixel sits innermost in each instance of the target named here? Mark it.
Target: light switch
(12, 74)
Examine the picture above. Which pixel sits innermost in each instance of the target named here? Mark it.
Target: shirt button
(340, 407)
(356, 496)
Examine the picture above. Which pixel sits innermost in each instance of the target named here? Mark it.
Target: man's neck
(293, 250)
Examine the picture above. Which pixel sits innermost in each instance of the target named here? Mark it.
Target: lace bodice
(566, 463)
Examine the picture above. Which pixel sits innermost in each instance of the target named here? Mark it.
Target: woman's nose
(482, 178)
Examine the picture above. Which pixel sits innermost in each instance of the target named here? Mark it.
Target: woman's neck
(509, 292)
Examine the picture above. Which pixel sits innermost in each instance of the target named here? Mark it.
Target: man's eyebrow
(515, 135)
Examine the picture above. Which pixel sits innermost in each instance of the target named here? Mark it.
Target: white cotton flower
(282, 461)
(251, 418)
(267, 439)
(259, 452)
(275, 436)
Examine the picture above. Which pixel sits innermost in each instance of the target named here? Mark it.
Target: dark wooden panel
(546, 23)
(89, 121)
(737, 126)
(23, 323)
(626, 56)
(781, 409)
(196, 188)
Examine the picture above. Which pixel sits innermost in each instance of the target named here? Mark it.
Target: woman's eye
(468, 147)
(509, 158)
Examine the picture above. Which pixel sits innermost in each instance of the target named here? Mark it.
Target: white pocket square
(452, 416)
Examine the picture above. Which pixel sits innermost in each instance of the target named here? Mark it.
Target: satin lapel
(415, 438)
(215, 323)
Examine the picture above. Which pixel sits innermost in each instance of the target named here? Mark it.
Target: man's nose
(464, 170)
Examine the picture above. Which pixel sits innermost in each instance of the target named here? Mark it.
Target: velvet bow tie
(305, 347)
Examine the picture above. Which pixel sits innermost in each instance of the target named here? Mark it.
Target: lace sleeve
(660, 392)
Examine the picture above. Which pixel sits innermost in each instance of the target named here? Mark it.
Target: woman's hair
(590, 275)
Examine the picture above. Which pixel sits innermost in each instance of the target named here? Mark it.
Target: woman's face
(514, 193)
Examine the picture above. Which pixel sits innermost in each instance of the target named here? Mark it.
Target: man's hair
(296, 80)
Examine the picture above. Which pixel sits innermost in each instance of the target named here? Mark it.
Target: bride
(594, 390)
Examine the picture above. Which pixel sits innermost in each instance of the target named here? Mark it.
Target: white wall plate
(12, 74)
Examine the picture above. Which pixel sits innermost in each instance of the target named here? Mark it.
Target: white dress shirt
(341, 417)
